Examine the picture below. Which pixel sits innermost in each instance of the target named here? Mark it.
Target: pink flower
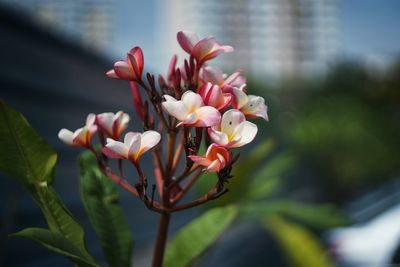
(215, 75)
(131, 69)
(235, 84)
(213, 96)
(202, 50)
(234, 130)
(82, 136)
(190, 110)
(216, 158)
(134, 145)
(113, 124)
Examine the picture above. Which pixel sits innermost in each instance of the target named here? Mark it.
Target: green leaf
(101, 201)
(302, 248)
(319, 216)
(56, 243)
(24, 155)
(198, 235)
(60, 219)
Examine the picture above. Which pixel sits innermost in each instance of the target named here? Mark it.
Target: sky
(366, 28)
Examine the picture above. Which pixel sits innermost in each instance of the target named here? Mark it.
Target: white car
(372, 242)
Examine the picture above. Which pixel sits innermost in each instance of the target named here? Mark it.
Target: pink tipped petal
(134, 147)
(112, 74)
(192, 101)
(230, 120)
(124, 71)
(117, 148)
(66, 136)
(218, 137)
(221, 159)
(247, 131)
(235, 80)
(213, 75)
(149, 140)
(207, 116)
(135, 59)
(187, 40)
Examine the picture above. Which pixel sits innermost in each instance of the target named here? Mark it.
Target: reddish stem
(159, 248)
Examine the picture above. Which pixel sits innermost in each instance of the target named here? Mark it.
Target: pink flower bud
(213, 96)
(216, 158)
(131, 69)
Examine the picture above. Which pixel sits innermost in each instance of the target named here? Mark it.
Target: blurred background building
(273, 39)
(89, 22)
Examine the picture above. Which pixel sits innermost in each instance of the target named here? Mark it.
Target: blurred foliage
(191, 240)
(301, 246)
(343, 129)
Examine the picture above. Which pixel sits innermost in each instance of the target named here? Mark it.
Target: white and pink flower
(202, 50)
(190, 110)
(113, 124)
(134, 145)
(82, 136)
(234, 130)
(217, 157)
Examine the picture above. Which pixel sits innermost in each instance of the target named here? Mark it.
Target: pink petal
(207, 117)
(213, 75)
(124, 71)
(214, 166)
(135, 58)
(187, 40)
(218, 137)
(112, 74)
(172, 66)
(200, 160)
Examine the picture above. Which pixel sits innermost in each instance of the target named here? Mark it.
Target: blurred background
(326, 168)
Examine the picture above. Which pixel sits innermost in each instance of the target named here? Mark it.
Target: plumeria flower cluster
(195, 108)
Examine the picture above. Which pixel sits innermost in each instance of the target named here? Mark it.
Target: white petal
(245, 133)
(192, 101)
(149, 140)
(117, 147)
(66, 136)
(91, 118)
(255, 107)
(191, 118)
(240, 96)
(218, 137)
(175, 108)
(133, 142)
(230, 120)
(169, 98)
